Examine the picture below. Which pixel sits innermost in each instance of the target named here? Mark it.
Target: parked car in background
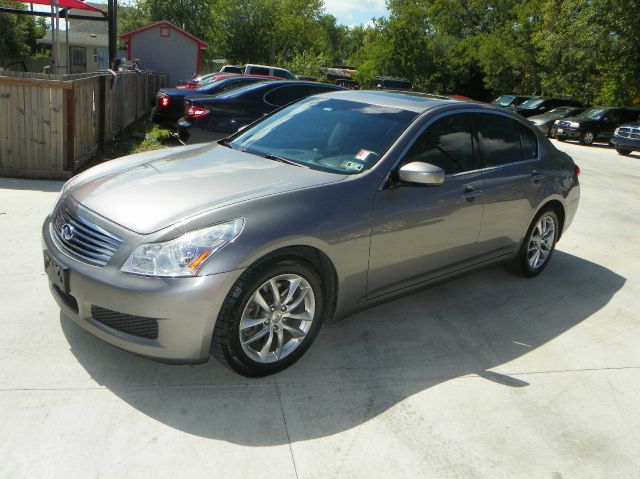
(626, 138)
(232, 69)
(538, 105)
(242, 249)
(545, 121)
(202, 80)
(593, 124)
(169, 106)
(262, 70)
(391, 83)
(212, 118)
(509, 100)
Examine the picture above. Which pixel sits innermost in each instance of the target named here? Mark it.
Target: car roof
(411, 101)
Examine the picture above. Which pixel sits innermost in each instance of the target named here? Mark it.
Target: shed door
(78, 57)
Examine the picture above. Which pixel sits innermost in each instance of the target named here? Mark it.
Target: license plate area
(58, 274)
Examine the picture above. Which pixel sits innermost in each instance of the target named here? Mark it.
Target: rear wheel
(587, 138)
(270, 318)
(538, 245)
(623, 152)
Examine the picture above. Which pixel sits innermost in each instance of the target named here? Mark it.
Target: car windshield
(504, 100)
(531, 103)
(561, 110)
(593, 113)
(328, 134)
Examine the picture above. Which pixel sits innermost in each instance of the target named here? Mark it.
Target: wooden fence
(52, 124)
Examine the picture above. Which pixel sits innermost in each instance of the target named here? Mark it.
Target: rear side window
(258, 71)
(446, 143)
(281, 73)
(529, 143)
(284, 95)
(499, 138)
(630, 116)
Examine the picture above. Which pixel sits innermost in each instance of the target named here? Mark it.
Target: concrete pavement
(489, 375)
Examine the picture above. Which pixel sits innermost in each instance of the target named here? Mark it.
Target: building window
(95, 56)
(165, 32)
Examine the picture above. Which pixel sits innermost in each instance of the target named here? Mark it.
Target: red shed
(163, 47)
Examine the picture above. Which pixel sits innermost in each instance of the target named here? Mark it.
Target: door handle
(470, 193)
(536, 177)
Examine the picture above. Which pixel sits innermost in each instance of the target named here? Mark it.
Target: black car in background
(545, 121)
(626, 138)
(391, 83)
(538, 105)
(593, 124)
(212, 118)
(509, 100)
(170, 101)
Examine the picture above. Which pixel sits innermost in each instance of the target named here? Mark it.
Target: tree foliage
(589, 49)
(19, 32)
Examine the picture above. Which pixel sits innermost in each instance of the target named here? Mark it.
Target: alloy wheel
(588, 138)
(541, 242)
(277, 318)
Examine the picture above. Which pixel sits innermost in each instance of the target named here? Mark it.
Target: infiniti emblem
(68, 232)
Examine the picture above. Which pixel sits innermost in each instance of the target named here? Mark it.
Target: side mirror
(422, 173)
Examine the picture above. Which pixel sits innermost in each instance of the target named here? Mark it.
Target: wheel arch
(558, 208)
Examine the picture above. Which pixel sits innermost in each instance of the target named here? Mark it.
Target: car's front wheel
(623, 152)
(538, 245)
(270, 318)
(587, 138)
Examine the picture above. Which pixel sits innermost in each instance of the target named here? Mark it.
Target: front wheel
(587, 138)
(623, 152)
(538, 245)
(270, 318)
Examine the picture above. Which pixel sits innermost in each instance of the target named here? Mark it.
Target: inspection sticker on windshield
(353, 166)
(363, 155)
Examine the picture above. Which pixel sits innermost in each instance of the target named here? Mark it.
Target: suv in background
(626, 138)
(391, 83)
(509, 100)
(538, 105)
(545, 121)
(261, 70)
(593, 124)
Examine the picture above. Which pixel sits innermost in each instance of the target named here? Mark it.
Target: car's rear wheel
(623, 152)
(587, 138)
(270, 318)
(538, 245)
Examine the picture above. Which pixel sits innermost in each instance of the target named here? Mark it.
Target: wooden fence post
(69, 129)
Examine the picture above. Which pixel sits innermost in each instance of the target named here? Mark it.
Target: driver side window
(445, 143)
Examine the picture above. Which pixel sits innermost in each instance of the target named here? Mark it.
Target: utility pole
(112, 13)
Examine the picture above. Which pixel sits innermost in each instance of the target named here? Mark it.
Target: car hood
(151, 192)
(544, 118)
(581, 121)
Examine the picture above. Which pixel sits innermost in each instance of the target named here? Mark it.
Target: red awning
(75, 4)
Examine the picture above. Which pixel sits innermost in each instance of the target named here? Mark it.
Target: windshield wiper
(283, 160)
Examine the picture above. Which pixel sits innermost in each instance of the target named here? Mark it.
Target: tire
(560, 138)
(587, 138)
(523, 263)
(270, 323)
(623, 152)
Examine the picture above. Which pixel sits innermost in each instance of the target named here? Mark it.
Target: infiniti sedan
(241, 249)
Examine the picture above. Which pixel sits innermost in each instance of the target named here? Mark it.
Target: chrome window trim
(444, 114)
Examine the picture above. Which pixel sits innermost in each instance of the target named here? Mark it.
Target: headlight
(557, 122)
(617, 131)
(574, 124)
(185, 255)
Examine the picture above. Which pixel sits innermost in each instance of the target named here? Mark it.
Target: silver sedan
(244, 247)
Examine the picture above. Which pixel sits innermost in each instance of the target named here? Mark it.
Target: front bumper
(625, 143)
(186, 309)
(564, 132)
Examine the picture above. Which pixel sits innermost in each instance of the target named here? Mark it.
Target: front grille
(126, 323)
(629, 132)
(564, 124)
(83, 240)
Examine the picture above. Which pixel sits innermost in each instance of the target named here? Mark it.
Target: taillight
(164, 100)
(193, 112)
(576, 170)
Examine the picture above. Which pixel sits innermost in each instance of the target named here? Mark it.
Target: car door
(420, 232)
(511, 176)
(609, 123)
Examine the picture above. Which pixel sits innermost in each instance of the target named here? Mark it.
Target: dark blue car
(211, 118)
(170, 101)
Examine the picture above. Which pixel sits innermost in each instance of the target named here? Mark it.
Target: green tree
(19, 32)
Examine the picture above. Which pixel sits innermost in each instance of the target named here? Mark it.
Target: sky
(347, 12)
(355, 12)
